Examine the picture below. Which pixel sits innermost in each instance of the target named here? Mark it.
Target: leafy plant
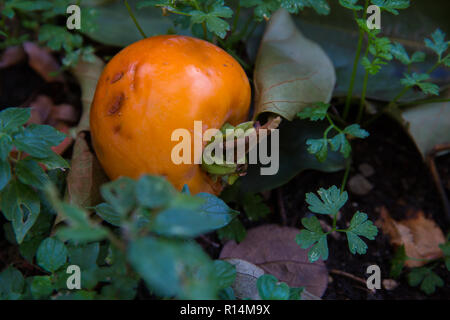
(22, 176)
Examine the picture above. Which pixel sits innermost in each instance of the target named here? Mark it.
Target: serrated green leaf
(330, 202)
(360, 226)
(11, 118)
(41, 287)
(254, 207)
(37, 140)
(225, 273)
(318, 112)
(20, 204)
(313, 235)
(153, 191)
(29, 172)
(178, 269)
(235, 230)
(120, 194)
(437, 43)
(51, 254)
(269, 288)
(5, 146)
(416, 79)
(392, 5)
(52, 161)
(399, 52)
(318, 147)
(5, 173)
(340, 142)
(350, 4)
(108, 213)
(11, 284)
(356, 131)
(426, 277)
(57, 38)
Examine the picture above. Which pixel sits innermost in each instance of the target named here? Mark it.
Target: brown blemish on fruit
(117, 77)
(117, 104)
(117, 128)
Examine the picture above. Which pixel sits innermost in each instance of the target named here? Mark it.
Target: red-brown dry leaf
(420, 236)
(42, 61)
(273, 249)
(12, 56)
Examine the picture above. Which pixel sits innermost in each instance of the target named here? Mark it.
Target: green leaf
(11, 118)
(445, 247)
(5, 146)
(360, 226)
(153, 192)
(416, 79)
(213, 18)
(41, 287)
(399, 52)
(438, 43)
(296, 293)
(191, 217)
(120, 194)
(235, 230)
(350, 4)
(29, 172)
(225, 273)
(84, 256)
(398, 262)
(391, 5)
(254, 207)
(340, 142)
(330, 202)
(418, 56)
(52, 161)
(426, 277)
(20, 204)
(270, 289)
(57, 38)
(37, 140)
(5, 173)
(356, 131)
(313, 236)
(265, 8)
(318, 147)
(173, 268)
(108, 213)
(51, 254)
(11, 284)
(227, 294)
(318, 112)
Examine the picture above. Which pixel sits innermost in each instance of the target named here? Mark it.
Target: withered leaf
(420, 236)
(273, 249)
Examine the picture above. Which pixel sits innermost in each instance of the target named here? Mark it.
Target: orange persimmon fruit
(155, 86)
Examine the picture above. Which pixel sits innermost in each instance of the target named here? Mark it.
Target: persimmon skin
(155, 86)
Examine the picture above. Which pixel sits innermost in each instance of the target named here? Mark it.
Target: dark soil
(401, 182)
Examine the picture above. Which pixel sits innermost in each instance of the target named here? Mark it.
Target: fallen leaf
(12, 56)
(420, 236)
(429, 124)
(273, 249)
(43, 62)
(291, 71)
(245, 284)
(86, 175)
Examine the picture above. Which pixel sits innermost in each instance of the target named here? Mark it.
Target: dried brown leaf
(12, 56)
(420, 236)
(43, 62)
(273, 249)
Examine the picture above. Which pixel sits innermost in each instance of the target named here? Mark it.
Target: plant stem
(134, 19)
(346, 173)
(236, 18)
(205, 30)
(423, 101)
(363, 98)
(355, 63)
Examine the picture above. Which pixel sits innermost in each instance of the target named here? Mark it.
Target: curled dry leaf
(86, 174)
(420, 236)
(291, 71)
(43, 62)
(273, 249)
(12, 56)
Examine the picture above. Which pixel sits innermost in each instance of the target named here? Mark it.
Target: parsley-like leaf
(392, 5)
(356, 131)
(318, 112)
(360, 226)
(350, 4)
(437, 43)
(428, 279)
(313, 235)
(318, 147)
(417, 79)
(330, 202)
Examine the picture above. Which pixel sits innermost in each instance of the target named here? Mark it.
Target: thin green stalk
(134, 19)
(363, 98)
(205, 30)
(236, 18)
(423, 101)
(355, 63)
(346, 173)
